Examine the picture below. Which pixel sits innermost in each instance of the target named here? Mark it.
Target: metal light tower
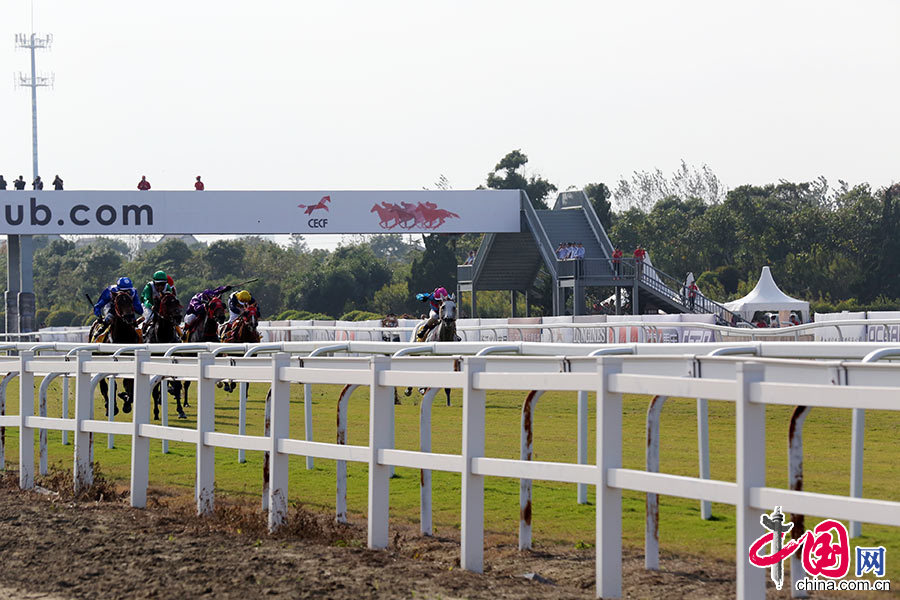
(20, 282)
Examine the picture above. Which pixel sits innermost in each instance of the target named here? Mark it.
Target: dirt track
(53, 548)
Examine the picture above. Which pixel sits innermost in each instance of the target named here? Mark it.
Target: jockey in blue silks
(124, 284)
(434, 299)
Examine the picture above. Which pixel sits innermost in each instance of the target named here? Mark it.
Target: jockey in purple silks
(198, 303)
(434, 299)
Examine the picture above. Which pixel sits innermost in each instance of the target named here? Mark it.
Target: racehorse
(206, 329)
(121, 330)
(444, 331)
(163, 329)
(242, 329)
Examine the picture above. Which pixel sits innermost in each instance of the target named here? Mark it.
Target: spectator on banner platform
(19, 183)
(639, 255)
(143, 184)
(470, 259)
(2, 183)
(617, 262)
(692, 295)
(37, 184)
(198, 185)
(561, 251)
(58, 183)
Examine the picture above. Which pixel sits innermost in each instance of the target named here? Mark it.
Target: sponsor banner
(662, 334)
(623, 334)
(689, 334)
(322, 335)
(559, 336)
(883, 333)
(524, 335)
(497, 334)
(254, 212)
(590, 335)
(299, 335)
(468, 336)
(850, 333)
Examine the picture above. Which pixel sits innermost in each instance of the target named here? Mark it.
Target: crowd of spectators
(569, 251)
(143, 185)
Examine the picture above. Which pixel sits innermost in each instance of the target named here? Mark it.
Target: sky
(291, 95)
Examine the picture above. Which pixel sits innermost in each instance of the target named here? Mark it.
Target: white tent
(767, 297)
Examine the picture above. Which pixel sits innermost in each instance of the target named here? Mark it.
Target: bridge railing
(750, 383)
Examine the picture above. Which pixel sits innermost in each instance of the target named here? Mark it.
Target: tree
(599, 196)
(225, 257)
(506, 176)
(436, 266)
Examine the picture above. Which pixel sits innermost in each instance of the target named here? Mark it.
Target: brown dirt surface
(54, 546)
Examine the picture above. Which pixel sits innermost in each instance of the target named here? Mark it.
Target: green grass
(557, 518)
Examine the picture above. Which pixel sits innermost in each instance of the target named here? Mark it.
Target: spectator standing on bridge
(198, 185)
(37, 184)
(57, 183)
(578, 254)
(639, 255)
(19, 183)
(617, 262)
(692, 295)
(470, 259)
(143, 184)
(561, 251)
(2, 183)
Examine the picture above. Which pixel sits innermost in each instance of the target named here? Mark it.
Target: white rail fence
(750, 383)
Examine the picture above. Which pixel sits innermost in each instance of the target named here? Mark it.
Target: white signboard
(150, 212)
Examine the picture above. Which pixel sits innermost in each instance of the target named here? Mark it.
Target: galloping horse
(242, 329)
(444, 331)
(121, 330)
(163, 329)
(206, 329)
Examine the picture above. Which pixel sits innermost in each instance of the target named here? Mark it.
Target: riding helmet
(440, 294)
(160, 277)
(244, 296)
(124, 283)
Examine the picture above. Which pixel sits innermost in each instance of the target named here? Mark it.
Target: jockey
(198, 304)
(155, 288)
(434, 299)
(239, 302)
(124, 284)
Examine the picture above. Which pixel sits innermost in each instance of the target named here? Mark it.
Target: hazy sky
(390, 95)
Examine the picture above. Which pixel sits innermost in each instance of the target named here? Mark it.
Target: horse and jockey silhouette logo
(405, 215)
(311, 207)
(425, 215)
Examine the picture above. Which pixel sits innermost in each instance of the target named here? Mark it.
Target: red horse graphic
(311, 207)
(407, 216)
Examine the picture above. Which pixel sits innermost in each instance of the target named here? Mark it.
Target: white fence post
(65, 408)
(472, 518)
(425, 522)
(307, 421)
(582, 442)
(140, 446)
(858, 428)
(703, 451)
(651, 521)
(340, 501)
(26, 434)
(243, 387)
(279, 429)
(84, 404)
(609, 500)
(751, 472)
(526, 452)
(206, 408)
(381, 416)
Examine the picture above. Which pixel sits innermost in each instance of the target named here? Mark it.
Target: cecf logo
(310, 208)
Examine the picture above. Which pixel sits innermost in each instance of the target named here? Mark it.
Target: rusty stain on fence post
(795, 481)
(526, 452)
(651, 523)
(266, 430)
(341, 492)
(425, 521)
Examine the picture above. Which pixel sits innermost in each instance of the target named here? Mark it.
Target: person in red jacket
(143, 184)
(639, 255)
(198, 185)
(617, 261)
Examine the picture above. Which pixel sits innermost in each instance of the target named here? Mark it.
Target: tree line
(833, 246)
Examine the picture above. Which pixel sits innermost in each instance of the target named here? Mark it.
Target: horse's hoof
(407, 392)
(126, 406)
(219, 384)
(156, 416)
(185, 402)
(181, 415)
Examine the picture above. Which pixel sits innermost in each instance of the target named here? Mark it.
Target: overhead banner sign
(234, 212)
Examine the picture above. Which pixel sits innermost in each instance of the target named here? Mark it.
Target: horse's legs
(447, 391)
(185, 386)
(127, 395)
(156, 402)
(408, 391)
(104, 391)
(177, 395)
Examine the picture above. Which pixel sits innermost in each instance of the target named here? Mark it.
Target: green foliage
(435, 267)
(393, 298)
(599, 196)
(61, 318)
(40, 317)
(360, 315)
(506, 176)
